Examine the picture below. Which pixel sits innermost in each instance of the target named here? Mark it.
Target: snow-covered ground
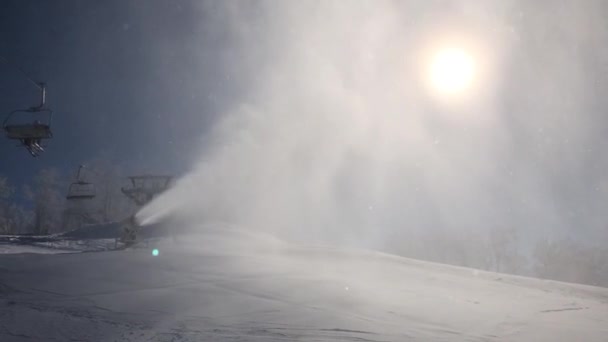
(233, 286)
(19, 249)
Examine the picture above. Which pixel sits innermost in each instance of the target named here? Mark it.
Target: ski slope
(228, 285)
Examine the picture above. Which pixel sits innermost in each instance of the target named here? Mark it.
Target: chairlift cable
(39, 85)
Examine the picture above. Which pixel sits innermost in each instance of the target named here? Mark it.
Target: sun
(452, 71)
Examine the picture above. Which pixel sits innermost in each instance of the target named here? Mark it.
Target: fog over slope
(338, 137)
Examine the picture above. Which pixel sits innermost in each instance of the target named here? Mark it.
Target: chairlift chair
(80, 189)
(30, 134)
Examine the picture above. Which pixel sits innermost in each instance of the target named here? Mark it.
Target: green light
(155, 252)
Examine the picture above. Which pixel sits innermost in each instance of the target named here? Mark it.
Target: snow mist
(339, 138)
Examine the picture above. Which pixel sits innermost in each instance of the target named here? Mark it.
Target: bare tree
(567, 260)
(14, 218)
(5, 193)
(48, 201)
(503, 250)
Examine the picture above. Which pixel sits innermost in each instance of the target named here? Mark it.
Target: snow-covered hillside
(233, 286)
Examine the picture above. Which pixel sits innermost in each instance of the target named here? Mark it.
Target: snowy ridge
(229, 285)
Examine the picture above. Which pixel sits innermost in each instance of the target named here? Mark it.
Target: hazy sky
(316, 114)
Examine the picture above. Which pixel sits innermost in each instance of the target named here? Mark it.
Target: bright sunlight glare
(451, 71)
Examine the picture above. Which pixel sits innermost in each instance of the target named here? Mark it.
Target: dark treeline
(41, 207)
(506, 251)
